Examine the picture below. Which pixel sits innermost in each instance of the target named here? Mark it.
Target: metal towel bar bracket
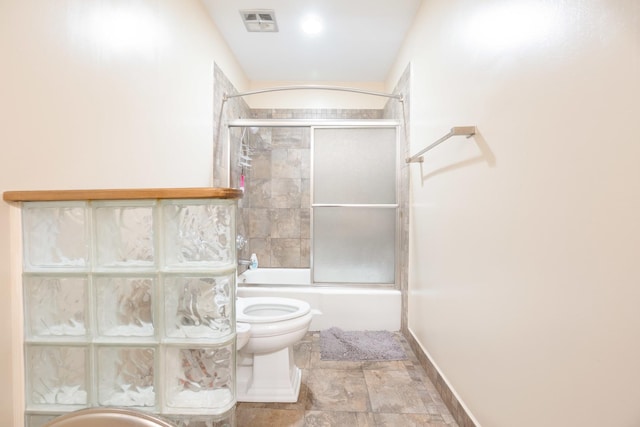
(467, 131)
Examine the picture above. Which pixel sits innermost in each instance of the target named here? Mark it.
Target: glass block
(124, 306)
(55, 235)
(126, 376)
(39, 420)
(227, 419)
(198, 307)
(199, 234)
(55, 306)
(56, 375)
(124, 235)
(200, 380)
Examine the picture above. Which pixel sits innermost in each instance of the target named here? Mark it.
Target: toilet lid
(265, 310)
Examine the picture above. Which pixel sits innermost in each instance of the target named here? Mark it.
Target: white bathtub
(350, 308)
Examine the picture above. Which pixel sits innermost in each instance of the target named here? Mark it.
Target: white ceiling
(359, 43)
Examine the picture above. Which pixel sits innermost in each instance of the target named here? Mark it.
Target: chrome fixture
(251, 262)
(316, 87)
(241, 242)
(467, 131)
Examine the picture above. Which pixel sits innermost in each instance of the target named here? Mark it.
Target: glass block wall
(130, 304)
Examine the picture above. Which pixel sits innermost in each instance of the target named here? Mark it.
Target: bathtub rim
(240, 282)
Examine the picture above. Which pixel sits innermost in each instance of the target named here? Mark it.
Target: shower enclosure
(319, 194)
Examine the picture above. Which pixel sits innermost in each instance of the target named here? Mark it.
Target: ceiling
(359, 42)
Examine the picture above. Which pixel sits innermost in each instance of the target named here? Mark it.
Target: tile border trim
(457, 410)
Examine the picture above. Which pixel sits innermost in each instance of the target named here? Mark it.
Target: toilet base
(270, 377)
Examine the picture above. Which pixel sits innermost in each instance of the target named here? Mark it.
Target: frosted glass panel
(354, 166)
(56, 375)
(199, 234)
(55, 306)
(200, 379)
(198, 307)
(55, 235)
(124, 235)
(125, 376)
(354, 245)
(124, 306)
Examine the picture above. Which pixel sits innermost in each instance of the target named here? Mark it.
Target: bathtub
(361, 307)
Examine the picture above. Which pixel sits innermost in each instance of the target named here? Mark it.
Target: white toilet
(266, 371)
(243, 332)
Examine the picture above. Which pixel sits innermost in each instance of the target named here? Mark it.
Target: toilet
(243, 332)
(266, 371)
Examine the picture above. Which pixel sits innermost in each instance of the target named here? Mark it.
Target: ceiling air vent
(261, 20)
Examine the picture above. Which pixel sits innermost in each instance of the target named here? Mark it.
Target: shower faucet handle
(241, 242)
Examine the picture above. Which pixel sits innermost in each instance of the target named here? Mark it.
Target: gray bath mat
(336, 344)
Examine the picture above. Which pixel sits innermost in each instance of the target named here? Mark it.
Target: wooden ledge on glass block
(122, 194)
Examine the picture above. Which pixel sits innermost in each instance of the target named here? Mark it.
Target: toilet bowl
(243, 332)
(266, 371)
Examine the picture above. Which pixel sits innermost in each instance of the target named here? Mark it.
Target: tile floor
(353, 394)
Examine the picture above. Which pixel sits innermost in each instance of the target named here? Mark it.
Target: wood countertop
(122, 194)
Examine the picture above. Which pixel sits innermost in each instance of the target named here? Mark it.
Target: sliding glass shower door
(354, 207)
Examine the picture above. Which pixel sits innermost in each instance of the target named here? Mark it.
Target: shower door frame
(336, 124)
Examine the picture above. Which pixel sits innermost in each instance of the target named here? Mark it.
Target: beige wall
(106, 94)
(524, 285)
(524, 278)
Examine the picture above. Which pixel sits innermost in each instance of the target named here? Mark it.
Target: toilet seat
(269, 309)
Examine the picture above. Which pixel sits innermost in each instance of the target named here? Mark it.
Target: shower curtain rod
(316, 87)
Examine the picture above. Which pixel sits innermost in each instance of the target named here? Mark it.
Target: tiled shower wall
(233, 108)
(274, 214)
(276, 205)
(276, 208)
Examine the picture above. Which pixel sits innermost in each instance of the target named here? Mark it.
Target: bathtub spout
(252, 262)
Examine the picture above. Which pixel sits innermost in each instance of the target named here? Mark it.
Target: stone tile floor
(353, 394)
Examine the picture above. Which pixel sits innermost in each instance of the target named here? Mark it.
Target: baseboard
(457, 409)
